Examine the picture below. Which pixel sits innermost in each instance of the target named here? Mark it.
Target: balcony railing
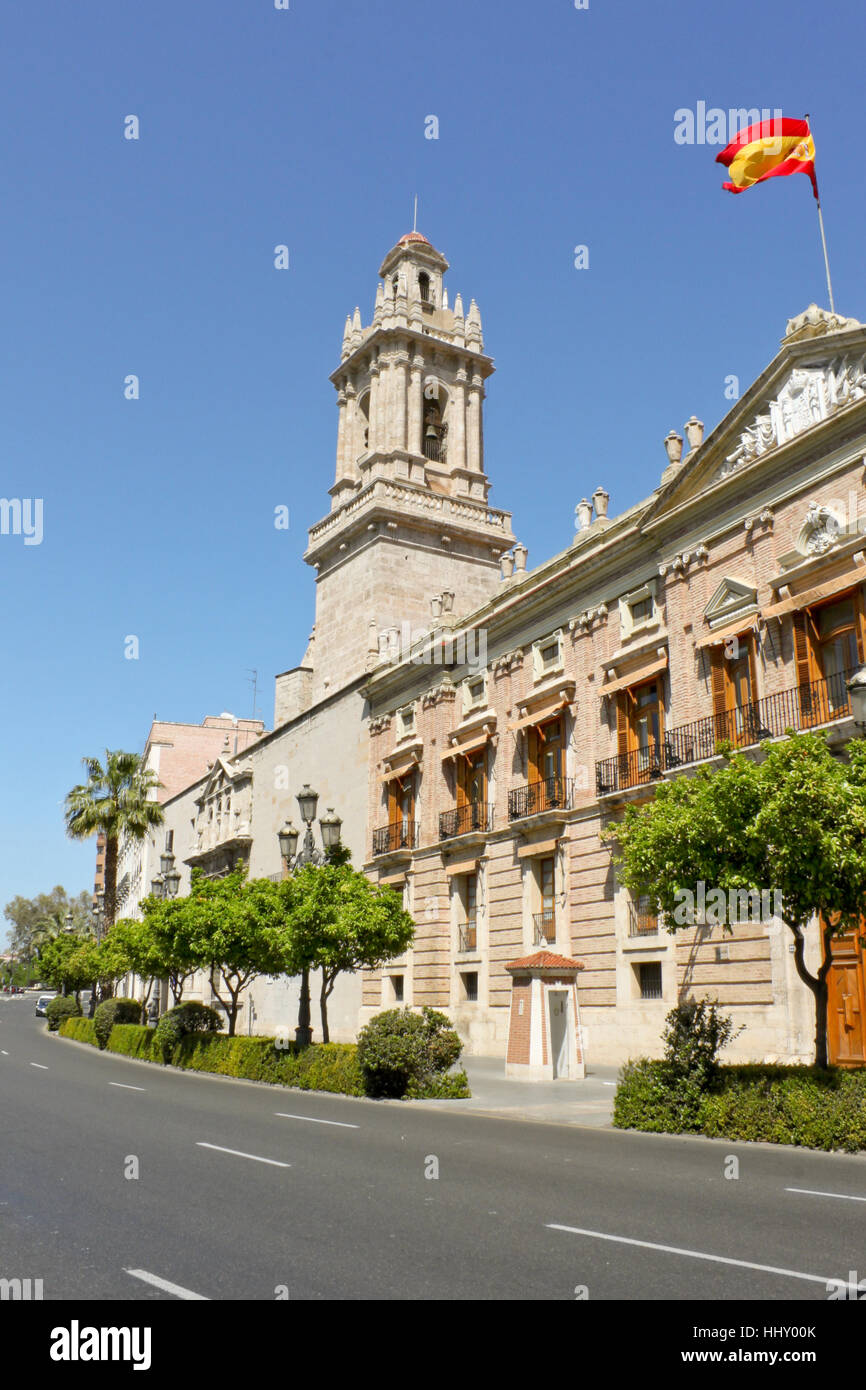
(402, 835)
(555, 793)
(468, 937)
(545, 927)
(463, 820)
(801, 707)
(434, 449)
(641, 922)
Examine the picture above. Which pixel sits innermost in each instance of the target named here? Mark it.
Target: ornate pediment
(810, 395)
(729, 600)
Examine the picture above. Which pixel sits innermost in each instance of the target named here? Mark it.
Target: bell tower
(409, 517)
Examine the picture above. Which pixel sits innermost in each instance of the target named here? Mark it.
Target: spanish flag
(767, 150)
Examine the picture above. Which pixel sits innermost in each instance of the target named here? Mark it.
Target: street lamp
(857, 696)
(288, 837)
(68, 926)
(167, 881)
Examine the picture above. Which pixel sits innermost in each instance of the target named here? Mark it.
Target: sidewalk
(588, 1103)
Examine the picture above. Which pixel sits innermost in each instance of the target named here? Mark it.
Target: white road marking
(239, 1154)
(123, 1086)
(340, 1124)
(5, 1053)
(167, 1286)
(808, 1192)
(608, 1083)
(39, 1065)
(694, 1254)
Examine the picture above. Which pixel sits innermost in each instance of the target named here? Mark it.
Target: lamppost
(288, 837)
(167, 881)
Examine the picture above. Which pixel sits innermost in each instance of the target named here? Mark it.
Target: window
(469, 898)
(474, 693)
(637, 610)
(545, 920)
(640, 730)
(470, 985)
(424, 286)
(649, 974)
(829, 644)
(734, 691)
(397, 988)
(406, 721)
(547, 655)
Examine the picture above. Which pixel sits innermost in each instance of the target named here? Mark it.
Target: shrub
(400, 1047)
(774, 1104)
(449, 1085)
(113, 1011)
(79, 1029)
(180, 1021)
(321, 1067)
(60, 1007)
(132, 1040)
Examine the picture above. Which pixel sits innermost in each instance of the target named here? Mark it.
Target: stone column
(416, 406)
(342, 451)
(401, 387)
(351, 441)
(474, 460)
(457, 423)
(375, 386)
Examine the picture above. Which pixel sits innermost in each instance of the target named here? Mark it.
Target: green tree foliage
(116, 800)
(339, 921)
(35, 921)
(400, 1050)
(792, 823)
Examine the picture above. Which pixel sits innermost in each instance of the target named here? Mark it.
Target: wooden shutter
(462, 774)
(860, 624)
(623, 724)
(533, 752)
(717, 680)
(803, 652)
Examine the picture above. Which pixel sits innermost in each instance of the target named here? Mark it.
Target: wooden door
(846, 1004)
(735, 692)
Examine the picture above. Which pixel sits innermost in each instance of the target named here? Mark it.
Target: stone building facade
(477, 724)
(727, 605)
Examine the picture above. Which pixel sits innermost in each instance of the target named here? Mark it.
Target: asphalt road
(330, 1199)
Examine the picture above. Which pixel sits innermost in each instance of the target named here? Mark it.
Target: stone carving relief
(821, 531)
(810, 395)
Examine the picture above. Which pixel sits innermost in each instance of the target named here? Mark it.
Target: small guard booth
(545, 1040)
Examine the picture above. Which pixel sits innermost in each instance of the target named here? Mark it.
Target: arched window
(424, 286)
(434, 428)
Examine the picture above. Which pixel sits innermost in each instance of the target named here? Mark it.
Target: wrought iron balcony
(463, 820)
(801, 707)
(555, 793)
(401, 835)
(545, 927)
(468, 937)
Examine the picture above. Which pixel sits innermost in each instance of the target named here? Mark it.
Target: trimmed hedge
(79, 1029)
(775, 1104)
(113, 1011)
(60, 1007)
(181, 1020)
(332, 1067)
(133, 1040)
(321, 1067)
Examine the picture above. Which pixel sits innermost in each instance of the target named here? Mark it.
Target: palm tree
(115, 800)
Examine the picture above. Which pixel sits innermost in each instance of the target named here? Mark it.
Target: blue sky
(307, 127)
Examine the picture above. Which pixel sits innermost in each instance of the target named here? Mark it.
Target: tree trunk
(110, 899)
(303, 1032)
(818, 985)
(323, 1007)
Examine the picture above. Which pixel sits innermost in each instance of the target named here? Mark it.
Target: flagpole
(823, 237)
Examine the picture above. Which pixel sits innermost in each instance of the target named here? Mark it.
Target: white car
(41, 1002)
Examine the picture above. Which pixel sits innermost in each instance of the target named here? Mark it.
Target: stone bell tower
(409, 518)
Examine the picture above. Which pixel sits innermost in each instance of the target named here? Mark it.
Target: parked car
(41, 1002)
